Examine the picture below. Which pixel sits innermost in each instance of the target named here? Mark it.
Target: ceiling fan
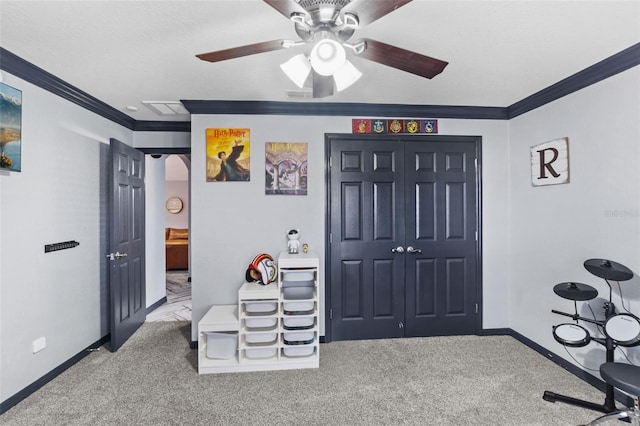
(328, 25)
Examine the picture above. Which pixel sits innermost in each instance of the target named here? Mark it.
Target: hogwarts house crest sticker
(395, 126)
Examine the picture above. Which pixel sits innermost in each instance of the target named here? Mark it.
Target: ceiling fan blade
(286, 7)
(322, 85)
(368, 11)
(237, 52)
(402, 59)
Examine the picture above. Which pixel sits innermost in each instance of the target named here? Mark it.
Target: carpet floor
(461, 380)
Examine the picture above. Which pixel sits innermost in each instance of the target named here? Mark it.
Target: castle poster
(286, 168)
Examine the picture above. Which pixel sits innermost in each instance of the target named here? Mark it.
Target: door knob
(398, 249)
(413, 250)
(116, 255)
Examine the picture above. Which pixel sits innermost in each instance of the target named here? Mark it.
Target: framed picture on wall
(286, 168)
(550, 163)
(10, 128)
(228, 156)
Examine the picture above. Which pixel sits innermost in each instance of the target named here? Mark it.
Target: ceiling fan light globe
(327, 56)
(345, 76)
(297, 69)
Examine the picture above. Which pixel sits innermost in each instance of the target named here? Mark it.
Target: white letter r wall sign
(550, 163)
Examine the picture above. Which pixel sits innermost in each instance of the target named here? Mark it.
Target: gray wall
(554, 229)
(231, 222)
(60, 195)
(155, 265)
(533, 237)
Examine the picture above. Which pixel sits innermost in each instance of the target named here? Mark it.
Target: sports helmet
(264, 265)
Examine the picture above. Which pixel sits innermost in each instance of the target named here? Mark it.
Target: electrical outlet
(39, 344)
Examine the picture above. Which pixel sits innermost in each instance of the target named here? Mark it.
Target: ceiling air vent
(166, 107)
(299, 94)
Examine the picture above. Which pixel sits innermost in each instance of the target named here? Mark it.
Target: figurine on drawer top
(262, 270)
(293, 243)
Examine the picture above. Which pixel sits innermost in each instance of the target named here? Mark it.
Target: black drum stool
(625, 377)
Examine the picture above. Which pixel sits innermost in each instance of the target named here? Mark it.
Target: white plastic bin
(297, 293)
(297, 279)
(258, 324)
(261, 338)
(298, 337)
(298, 351)
(221, 345)
(261, 307)
(260, 353)
(298, 322)
(298, 307)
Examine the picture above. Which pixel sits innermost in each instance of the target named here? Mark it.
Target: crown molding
(162, 126)
(342, 109)
(25, 70)
(602, 70)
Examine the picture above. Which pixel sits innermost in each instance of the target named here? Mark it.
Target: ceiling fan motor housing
(323, 15)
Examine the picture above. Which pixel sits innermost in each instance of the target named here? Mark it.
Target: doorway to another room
(176, 240)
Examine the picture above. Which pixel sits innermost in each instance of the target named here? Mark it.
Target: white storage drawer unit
(273, 327)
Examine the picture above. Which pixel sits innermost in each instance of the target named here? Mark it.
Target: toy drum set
(619, 329)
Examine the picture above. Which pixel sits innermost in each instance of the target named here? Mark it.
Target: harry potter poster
(228, 156)
(286, 168)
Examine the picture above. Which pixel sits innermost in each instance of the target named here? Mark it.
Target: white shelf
(233, 318)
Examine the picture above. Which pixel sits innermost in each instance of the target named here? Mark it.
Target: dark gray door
(126, 243)
(403, 249)
(366, 222)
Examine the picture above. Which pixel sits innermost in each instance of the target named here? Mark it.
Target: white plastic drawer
(261, 338)
(260, 324)
(298, 351)
(221, 345)
(298, 322)
(298, 337)
(297, 279)
(298, 307)
(297, 293)
(261, 307)
(260, 353)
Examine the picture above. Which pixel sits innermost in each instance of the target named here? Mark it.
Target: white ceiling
(126, 52)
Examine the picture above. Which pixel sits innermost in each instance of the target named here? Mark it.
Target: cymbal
(608, 269)
(575, 291)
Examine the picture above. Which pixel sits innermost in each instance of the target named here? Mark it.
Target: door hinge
(330, 162)
(476, 308)
(476, 235)
(475, 163)
(330, 238)
(330, 314)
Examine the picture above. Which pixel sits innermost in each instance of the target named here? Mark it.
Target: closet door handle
(413, 250)
(398, 249)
